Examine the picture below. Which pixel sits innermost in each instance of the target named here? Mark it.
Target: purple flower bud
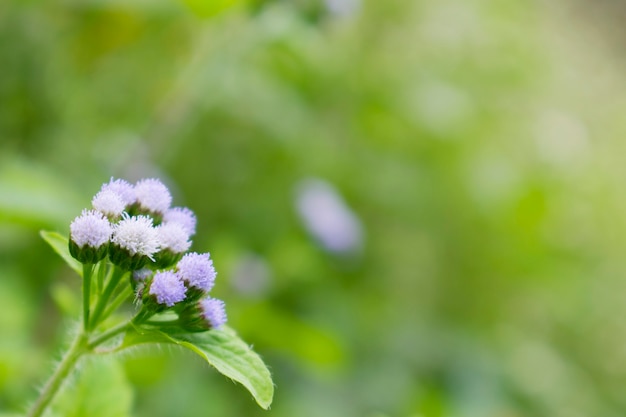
(213, 311)
(153, 195)
(142, 274)
(197, 270)
(183, 216)
(167, 288)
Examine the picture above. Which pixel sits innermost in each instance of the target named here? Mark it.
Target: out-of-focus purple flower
(109, 203)
(213, 311)
(327, 217)
(153, 195)
(167, 288)
(182, 216)
(91, 229)
(197, 270)
(142, 274)
(343, 8)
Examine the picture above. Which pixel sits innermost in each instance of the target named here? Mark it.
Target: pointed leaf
(223, 350)
(59, 243)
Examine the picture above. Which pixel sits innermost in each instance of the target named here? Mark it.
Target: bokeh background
(416, 208)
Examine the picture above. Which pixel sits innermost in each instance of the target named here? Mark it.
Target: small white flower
(91, 228)
(174, 237)
(153, 195)
(109, 203)
(136, 235)
(124, 189)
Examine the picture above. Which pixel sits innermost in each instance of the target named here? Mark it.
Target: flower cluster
(134, 228)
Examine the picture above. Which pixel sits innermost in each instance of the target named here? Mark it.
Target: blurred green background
(475, 147)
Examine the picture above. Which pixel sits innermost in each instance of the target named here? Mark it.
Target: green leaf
(222, 349)
(59, 243)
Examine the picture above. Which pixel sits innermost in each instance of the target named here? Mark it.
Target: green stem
(102, 270)
(76, 350)
(87, 271)
(126, 292)
(109, 334)
(104, 299)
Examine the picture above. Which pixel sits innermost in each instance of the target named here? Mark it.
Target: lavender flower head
(183, 216)
(173, 237)
(109, 203)
(91, 229)
(136, 235)
(167, 288)
(213, 311)
(153, 195)
(124, 189)
(197, 270)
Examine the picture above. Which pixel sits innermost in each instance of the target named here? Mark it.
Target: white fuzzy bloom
(153, 195)
(109, 203)
(137, 235)
(124, 189)
(91, 228)
(174, 237)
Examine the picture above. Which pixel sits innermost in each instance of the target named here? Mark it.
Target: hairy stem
(75, 352)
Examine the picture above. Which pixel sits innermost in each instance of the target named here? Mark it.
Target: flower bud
(174, 241)
(164, 290)
(208, 313)
(89, 237)
(134, 242)
(198, 273)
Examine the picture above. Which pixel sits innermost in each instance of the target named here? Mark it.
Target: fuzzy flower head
(124, 189)
(197, 270)
(173, 237)
(89, 237)
(167, 288)
(213, 311)
(153, 195)
(136, 235)
(91, 229)
(109, 203)
(182, 216)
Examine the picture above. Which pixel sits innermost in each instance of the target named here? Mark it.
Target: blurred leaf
(33, 195)
(209, 8)
(66, 299)
(101, 391)
(59, 244)
(223, 350)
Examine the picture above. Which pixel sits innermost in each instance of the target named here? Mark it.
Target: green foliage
(223, 350)
(59, 244)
